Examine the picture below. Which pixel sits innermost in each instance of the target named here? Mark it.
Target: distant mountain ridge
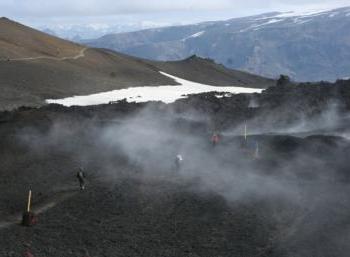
(308, 46)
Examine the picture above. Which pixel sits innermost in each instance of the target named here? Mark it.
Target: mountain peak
(199, 58)
(193, 57)
(4, 19)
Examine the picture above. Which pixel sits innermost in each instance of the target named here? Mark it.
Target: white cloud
(48, 8)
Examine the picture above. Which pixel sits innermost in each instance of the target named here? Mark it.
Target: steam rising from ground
(284, 164)
(327, 122)
(146, 143)
(301, 181)
(151, 142)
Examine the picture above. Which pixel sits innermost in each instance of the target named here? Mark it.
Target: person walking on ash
(178, 162)
(81, 177)
(215, 139)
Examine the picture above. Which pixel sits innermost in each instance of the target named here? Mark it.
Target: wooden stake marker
(29, 218)
(29, 200)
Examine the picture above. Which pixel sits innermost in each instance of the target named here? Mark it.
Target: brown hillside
(35, 66)
(18, 41)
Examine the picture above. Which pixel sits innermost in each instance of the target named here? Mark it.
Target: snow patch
(272, 21)
(224, 95)
(333, 14)
(302, 13)
(198, 34)
(166, 94)
(297, 17)
(98, 26)
(259, 26)
(294, 14)
(297, 21)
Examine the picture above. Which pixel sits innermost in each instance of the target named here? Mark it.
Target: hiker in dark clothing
(81, 178)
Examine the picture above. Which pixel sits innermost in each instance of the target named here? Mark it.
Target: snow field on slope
(166, 93)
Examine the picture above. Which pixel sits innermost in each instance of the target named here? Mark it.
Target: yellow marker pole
(29, 200)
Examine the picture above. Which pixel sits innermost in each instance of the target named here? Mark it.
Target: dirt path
(42, 206)
(81, 54)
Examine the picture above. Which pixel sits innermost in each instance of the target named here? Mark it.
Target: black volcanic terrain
(275, 184)
(35, 66)
(281, 191)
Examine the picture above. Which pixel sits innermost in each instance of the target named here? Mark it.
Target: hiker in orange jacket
(215, 139)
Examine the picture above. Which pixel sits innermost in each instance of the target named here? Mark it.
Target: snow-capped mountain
(313, 45)
(80, 32)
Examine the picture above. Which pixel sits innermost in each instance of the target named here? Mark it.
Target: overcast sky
(162, 12)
